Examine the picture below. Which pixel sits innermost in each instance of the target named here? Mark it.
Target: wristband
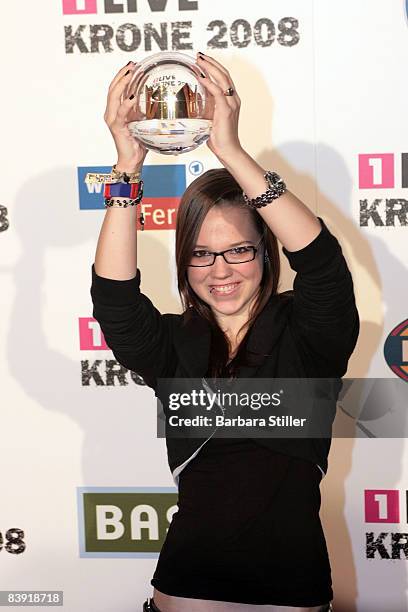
(125, 190)
(125, 177)
(113, 177)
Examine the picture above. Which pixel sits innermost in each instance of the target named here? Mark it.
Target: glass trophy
(172, 111)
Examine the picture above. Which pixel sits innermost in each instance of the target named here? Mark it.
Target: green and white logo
(124, 521)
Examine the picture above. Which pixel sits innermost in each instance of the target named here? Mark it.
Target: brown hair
(217, 187)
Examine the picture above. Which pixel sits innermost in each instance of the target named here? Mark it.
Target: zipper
(177, 471)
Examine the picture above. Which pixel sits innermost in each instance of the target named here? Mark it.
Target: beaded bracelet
(276, 187)
(120, 202)
(124, 203)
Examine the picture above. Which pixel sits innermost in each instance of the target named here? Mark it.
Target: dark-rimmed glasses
(241, 254)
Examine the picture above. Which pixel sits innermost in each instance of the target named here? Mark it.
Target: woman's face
(229, 289)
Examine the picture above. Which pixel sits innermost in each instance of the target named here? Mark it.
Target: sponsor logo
(83, 7)
(107, 372)
(383, 506)
(396, 350)
(91, 336)
(164, 186)
(79, 7)
(378, 171)
(101, 372)
(134, 35)
(124, 521)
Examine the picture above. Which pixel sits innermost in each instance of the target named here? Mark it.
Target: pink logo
(376, 171)
(91, 336)
(78, 7)
(381, 506)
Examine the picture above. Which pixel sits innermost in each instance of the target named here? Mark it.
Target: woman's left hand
(223, 140)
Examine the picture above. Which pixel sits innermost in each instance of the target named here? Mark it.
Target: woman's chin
(226, 307)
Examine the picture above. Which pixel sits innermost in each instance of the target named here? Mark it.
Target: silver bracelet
(276, 187)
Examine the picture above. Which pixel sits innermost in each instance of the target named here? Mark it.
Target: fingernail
(131, 97)
(128, 63)
(201, 55)
(202, 74)
(127, 72)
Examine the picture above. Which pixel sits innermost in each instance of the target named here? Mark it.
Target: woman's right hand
(131, 152)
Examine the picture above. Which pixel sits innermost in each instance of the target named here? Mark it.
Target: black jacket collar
(193, 337)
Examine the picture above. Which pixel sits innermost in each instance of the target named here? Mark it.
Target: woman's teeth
(224, 288)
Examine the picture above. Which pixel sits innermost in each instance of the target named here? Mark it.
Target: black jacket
(308, 332)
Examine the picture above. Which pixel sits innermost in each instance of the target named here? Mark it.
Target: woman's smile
(224, 290)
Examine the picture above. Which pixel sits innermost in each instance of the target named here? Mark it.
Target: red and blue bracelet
(122, 190)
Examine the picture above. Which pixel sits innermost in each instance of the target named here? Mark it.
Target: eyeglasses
(237, 255)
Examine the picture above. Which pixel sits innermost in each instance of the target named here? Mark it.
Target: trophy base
(171, 136)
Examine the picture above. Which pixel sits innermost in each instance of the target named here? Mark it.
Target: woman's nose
(221, 268)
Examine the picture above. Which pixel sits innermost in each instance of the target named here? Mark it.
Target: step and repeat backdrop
(86, 492)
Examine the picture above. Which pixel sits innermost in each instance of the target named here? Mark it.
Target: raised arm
(115, 256)
(134, 329)
(324, 316)
(292, 222)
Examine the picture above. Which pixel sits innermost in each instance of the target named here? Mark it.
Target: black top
(309, 331)
(247, 529)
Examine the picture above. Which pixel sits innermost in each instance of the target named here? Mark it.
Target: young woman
(247, 534)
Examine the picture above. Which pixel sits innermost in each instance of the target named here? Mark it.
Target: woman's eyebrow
(233, 244)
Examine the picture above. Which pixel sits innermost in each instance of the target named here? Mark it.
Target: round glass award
(173, 112)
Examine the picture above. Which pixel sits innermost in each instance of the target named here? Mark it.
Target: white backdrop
(328, 113)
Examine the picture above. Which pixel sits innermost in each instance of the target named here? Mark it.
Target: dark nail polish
(202, 74)
(201, 55)
(128, 63)
(131, 97)
(127, 72)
